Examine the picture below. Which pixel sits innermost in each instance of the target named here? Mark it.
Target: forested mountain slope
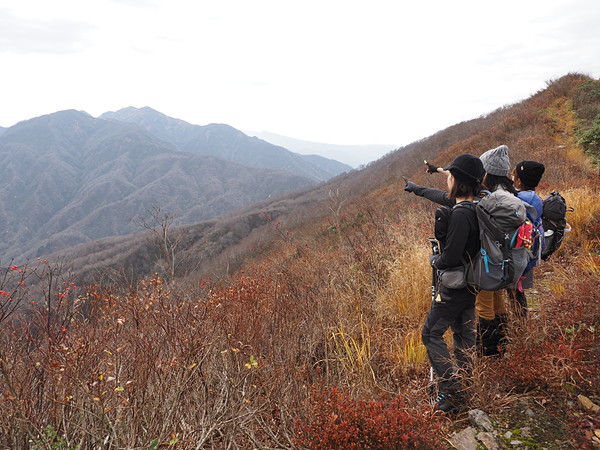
(68, 178)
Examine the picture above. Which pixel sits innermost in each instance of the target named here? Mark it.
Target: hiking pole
(435, 250)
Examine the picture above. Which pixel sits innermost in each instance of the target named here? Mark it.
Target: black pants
(521, 300)
(456, 311)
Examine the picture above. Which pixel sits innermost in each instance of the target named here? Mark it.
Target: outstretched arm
(433, 194)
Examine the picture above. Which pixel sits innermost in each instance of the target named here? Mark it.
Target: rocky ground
(530, 423)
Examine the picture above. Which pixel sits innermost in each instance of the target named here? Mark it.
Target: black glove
(431, 168)
(432, 259)
(410, 186)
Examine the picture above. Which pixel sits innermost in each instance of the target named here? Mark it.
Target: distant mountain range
(355, 155)
(68, 178)
(226, 142)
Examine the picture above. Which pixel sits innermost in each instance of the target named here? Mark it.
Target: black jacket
(435, 195)
(462, 235)
(462, 238)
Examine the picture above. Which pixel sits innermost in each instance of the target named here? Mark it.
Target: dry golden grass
(411, 352)
(409, 291)
(590, 262)
(586, 206)
(557, 287)
(353, 352)
(407, 296)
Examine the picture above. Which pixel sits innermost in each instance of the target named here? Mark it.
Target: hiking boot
(491, 336)
(447, 402)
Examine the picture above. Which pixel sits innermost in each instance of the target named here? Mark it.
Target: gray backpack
(499, 264)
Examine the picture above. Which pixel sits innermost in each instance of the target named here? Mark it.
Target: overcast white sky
(340, 72)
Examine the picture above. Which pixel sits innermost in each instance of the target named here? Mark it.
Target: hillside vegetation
(315, 341)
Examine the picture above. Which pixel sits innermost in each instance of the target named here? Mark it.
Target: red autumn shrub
(582, 428)
(339, 421)
(543, 364)
(559, 345)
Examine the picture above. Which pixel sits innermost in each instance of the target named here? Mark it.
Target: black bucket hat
(467, 169)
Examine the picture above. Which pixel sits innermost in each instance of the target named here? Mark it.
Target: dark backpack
(442, 216)
(499, 263)
(554, 219)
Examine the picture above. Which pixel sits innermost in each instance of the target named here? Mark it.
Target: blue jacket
(531, 198)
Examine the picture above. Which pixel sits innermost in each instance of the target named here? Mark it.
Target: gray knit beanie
(496, 162)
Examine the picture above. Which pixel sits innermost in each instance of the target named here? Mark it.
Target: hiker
(491, 308)
(526, 176)
(455, 308)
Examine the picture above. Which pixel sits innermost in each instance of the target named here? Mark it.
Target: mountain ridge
(226, 142)
(68, 178)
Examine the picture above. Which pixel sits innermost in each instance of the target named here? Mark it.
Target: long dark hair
(493, 182)
(461, 189)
